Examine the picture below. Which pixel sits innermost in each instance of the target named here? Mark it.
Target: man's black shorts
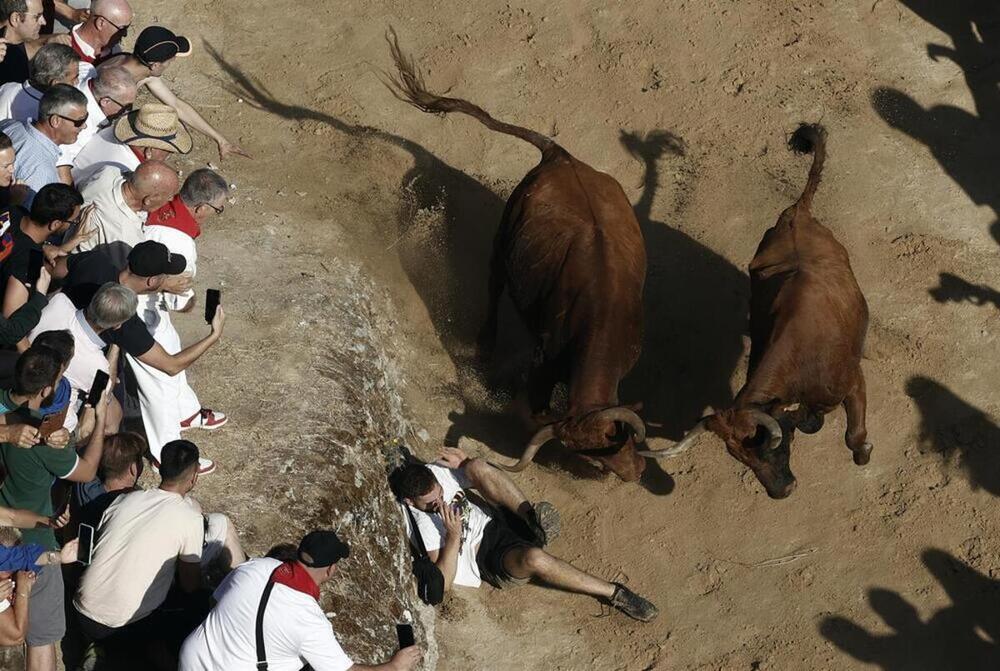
(502, 534)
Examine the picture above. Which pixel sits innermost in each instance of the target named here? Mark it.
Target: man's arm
(70, 14)
(86, 467)
(446, 558)
(191, 117)
(172, 364)
(16, 298)
(20, 322)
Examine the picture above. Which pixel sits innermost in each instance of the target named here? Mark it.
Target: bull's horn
(626, 416)
(770, 425)
(542, 436)
(683, 446)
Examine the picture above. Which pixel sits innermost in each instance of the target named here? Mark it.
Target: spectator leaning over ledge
(52, 64)
(110, 93)
(98, 37)
(62, 113)
(155, 49)
(294, 628)
(168, 403)
(504, 547)
(28, 484)
(151, 133)
(122, 202)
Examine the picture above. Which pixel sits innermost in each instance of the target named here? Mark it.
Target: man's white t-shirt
(114, 220)
(102, 151)
(432, 528)
(296, 632)
(139, 541)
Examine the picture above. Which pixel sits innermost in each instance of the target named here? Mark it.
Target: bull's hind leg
(856, 436)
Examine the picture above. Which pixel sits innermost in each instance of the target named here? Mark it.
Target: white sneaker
(206, 418)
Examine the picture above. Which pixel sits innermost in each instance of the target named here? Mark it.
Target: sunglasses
(218, 210)
(79, 123)
(120, 29)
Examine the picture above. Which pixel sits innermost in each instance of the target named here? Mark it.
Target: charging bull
(808, 320)
(571, 256)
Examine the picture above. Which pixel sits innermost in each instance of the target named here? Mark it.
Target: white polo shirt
(88, 357)
(103, 150)
(19, 101)
(296, 632)
(432, 529)
(114, 220)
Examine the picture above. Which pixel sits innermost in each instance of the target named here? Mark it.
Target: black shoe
(632, 604)
(543, 520)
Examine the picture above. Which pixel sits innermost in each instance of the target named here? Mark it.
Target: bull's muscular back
(575, 260)
(808, 317)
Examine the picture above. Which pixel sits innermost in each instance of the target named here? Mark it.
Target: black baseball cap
(157, 44)
(320, 549)
(150, 258)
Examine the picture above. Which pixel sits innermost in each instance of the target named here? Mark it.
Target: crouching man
(470, 543)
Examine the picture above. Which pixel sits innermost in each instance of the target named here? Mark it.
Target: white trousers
(165, 400)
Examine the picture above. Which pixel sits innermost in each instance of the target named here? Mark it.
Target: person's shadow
(953, 289)
(961, 433)
(959, 637)
(966, 145)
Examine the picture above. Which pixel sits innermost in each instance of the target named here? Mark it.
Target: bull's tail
(810, 138)
(409, 87)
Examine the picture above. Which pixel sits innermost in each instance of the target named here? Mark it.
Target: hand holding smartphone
(97, 388)
(213, 298)
(86, 550)
(404, 632)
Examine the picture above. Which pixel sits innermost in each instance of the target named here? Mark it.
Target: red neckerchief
(138, 154)
(292, 575)
(79, 51)
(175, 214)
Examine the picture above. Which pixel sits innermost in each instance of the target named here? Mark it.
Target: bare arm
(190, 116)
(172, 364)
(446, 558)
(86, 468)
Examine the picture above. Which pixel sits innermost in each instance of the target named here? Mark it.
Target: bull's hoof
(863, 454)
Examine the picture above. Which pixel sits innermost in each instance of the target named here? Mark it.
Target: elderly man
(62, 113)
(110, 94)
(22, 21)
(155, 49)
(168, 403)
(122, 202)
(146, 271)
(112, 306)
(52, 64)
(151, 133)
(98, 36)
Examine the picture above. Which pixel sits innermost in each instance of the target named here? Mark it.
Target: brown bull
(808, 320)
(571, 256)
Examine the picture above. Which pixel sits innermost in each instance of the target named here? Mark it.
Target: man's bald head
(154, 183)
(108, 23)
(118, 11)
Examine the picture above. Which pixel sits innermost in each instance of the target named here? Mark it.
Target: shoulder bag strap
(261, 653)
(421, 548)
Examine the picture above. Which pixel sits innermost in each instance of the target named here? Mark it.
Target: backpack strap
(419, 540)
(261, 652)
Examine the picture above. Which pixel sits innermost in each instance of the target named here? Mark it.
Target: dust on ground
(688, 105)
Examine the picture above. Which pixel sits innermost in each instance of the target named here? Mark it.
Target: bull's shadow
(966, 145)
(696, 306)
(953, 289)
(961, 637)
(962, 434)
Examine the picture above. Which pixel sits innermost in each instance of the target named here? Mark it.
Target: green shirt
(29, 477)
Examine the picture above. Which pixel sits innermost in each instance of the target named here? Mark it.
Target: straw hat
(154, 125)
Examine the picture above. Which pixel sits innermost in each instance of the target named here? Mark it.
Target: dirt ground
(688, 105)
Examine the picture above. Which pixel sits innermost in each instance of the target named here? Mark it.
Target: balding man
(98, 36)
(110, 93)
(52, 64)
(155, 49)
(121, 203)
(62, 113)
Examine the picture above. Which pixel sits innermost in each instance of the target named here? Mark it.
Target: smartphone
(97, 388)
(404, 632)
(35, 260)
(212, 298)
(86, 539)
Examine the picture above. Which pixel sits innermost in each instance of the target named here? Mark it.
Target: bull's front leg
(856, 435)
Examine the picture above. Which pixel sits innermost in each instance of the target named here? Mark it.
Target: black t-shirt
(16, 265)
(88, 272)
(14, 66)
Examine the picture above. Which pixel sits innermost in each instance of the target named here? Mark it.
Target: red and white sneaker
(205, 466)
(205, 418)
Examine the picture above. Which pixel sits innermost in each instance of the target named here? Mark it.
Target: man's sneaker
(205, 418)
(205, 466)
(632, 604)
(543, 520)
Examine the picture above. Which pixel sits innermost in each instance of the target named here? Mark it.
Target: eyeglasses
(123, 108)
(120, 29)
(79, 123)
(218, 210)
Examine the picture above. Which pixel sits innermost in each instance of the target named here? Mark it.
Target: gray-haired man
(53, 64)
